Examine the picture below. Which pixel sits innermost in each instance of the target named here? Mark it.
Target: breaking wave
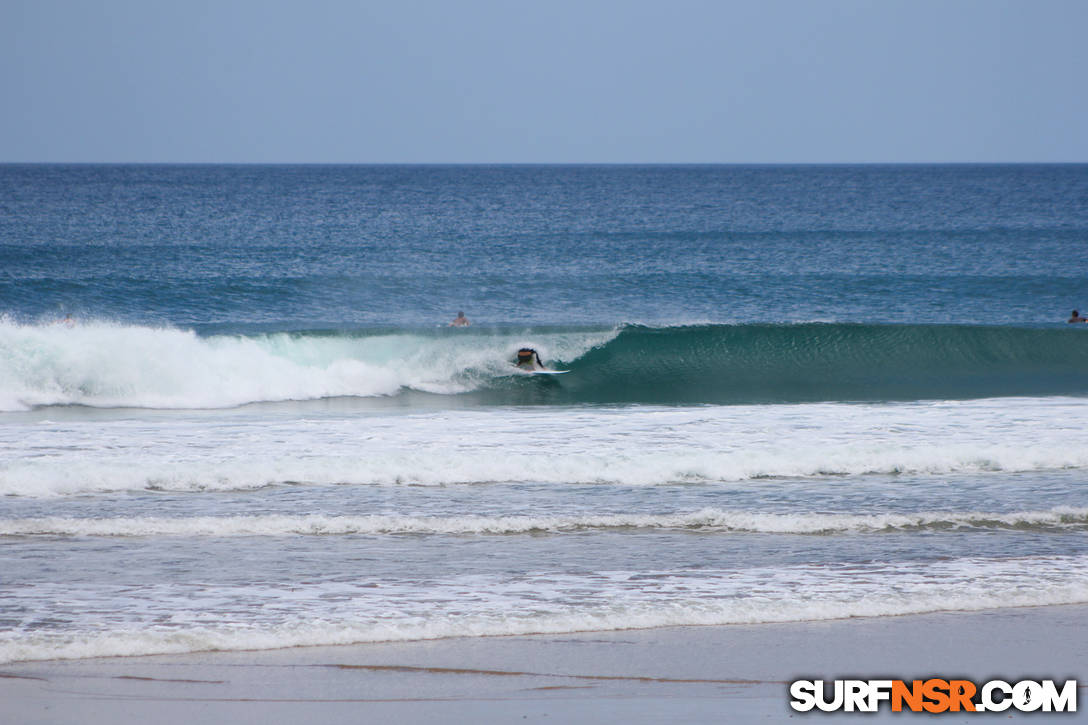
(116, 366)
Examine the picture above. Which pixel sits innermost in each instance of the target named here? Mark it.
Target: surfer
(1075, 317)
(528, 359)
(460, 320)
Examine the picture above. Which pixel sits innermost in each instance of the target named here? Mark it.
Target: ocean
(233, 414)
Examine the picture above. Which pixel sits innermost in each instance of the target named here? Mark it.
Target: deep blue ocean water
(233, 414)
(315, 247)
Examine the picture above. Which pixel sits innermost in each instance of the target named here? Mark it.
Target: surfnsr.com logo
(933, 695)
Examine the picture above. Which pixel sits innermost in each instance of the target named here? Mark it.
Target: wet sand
(736, 673)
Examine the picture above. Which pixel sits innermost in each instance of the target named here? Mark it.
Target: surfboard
(542, 372)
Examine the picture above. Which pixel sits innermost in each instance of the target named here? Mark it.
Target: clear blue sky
(416, 81)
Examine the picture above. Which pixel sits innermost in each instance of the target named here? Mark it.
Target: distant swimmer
(1075, 317)
(528, 359)
(67, 321)
(460, 320)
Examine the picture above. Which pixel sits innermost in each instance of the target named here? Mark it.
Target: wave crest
(111, 365)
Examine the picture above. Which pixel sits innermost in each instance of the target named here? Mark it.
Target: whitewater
(58, 452)
(113, 365)
(332, 521)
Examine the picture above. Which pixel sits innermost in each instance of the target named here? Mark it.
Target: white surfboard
(547, 372)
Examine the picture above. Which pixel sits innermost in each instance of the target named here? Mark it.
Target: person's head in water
(461, 320)
(527, 357)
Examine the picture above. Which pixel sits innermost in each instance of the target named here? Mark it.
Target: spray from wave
(114, 366)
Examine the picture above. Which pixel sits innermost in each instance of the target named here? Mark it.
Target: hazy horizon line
(544, 163)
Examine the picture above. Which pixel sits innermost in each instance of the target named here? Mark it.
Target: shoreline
(674, 674)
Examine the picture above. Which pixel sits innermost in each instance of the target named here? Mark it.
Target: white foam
(632, 446)
(1062, 517)
(174, 618)
(112, 365)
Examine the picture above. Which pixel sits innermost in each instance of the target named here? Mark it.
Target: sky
(562, 81)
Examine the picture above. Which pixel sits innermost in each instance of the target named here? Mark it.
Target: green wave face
(825, 362)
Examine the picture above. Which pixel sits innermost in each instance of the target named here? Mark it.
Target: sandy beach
(690, 674)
